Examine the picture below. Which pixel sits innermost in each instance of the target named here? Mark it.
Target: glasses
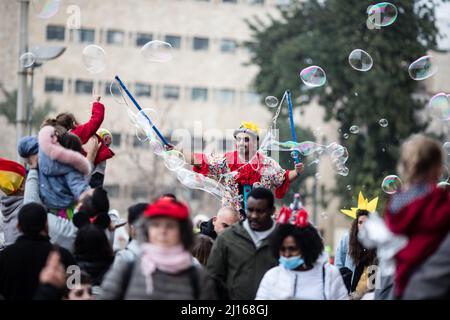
(290, 249)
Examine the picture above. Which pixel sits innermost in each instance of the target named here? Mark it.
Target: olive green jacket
(236, 265)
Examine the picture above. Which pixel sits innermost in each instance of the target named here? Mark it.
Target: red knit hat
(168, 208)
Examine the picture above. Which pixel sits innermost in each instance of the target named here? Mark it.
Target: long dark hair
(91, 244)
(202, 248)
(70, 141)
(356, 251)
(65, 119)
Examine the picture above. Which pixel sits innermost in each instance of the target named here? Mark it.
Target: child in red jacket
(87, 130)
(421, 210)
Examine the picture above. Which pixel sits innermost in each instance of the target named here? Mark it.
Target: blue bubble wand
(140, 109)
(291, 119)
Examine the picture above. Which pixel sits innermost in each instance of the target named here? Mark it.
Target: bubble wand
(140, 109)
(291, 119)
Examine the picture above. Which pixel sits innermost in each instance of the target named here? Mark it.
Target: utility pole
(314, 194)
(22, 96)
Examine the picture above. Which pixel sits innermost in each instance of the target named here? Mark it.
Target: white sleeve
(336, 289)
(61, 231)
(266, 286)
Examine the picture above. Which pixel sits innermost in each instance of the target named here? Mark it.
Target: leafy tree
(324, 33)
(8, 109)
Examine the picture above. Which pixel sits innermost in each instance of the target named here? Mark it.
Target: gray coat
(165, 286)
(10, 206)
(61, 231)
(432, 279)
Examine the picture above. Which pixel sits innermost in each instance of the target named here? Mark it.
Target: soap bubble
(94, 58)
(360, 60)
(313, 76)
(354, 129)
(382, 14)
(157, 51)
(27, 60)
(46, 9)
(446, 148)
(391, 184)
(383, 123)
(271, 101)
(440, 106)
(422, 68)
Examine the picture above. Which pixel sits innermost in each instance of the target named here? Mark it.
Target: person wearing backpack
(164, 269)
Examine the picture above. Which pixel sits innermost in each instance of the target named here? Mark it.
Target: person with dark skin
(241, 255)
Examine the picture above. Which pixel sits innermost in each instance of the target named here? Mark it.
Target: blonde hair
(419, 156)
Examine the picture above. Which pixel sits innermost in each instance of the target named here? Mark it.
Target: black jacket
(21, 263)
(207, 228)
(96, 269)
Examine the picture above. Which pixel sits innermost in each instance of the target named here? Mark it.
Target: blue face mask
(292, 262)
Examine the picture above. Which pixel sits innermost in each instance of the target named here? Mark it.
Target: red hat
(167, 207)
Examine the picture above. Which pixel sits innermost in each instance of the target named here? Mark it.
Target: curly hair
(356, 251)
(307, 239)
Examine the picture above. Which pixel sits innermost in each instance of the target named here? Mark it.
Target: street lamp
(41, 55)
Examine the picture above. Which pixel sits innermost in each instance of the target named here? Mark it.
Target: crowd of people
(58, 229)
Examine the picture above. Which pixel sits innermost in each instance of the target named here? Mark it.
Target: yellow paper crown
(363, 204)
(250, 126)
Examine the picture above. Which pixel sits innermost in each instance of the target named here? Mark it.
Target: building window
(199, 94)
(175, 41)
(252, 98)
(228, 46)
(225, 96)
(86, 35)
(200, 43)
(225, 145)
(84, 87)
(143, 38)
(115, 37)
(197, 144)
(112, 89)
(112, 190)
(143, 90)
(260, 2)
(55, 32)
(229, 1)
(171, 92)
(116, 140)
(54, 85)
(139, 192)
(137, 143)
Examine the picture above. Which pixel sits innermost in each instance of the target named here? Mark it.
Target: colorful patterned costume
(236, 175)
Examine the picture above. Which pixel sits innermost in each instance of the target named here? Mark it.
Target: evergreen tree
(324, 33)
